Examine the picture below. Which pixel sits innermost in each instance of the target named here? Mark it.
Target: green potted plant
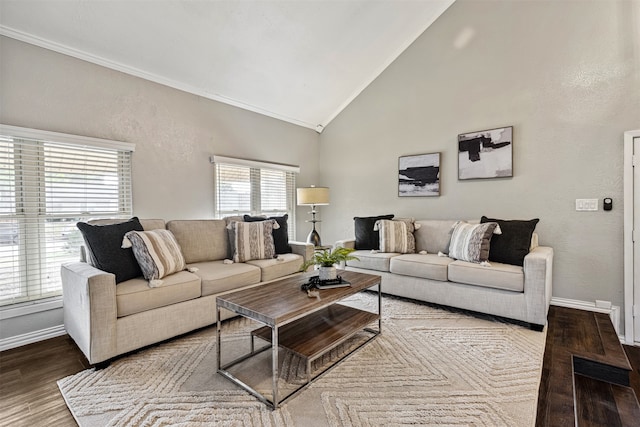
(325, 260)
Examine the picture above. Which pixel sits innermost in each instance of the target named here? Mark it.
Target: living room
(564, 74)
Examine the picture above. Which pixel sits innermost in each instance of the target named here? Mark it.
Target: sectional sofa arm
(538, 262)
(538, 282)
(302, 248)
(90, 310)
(346, 243)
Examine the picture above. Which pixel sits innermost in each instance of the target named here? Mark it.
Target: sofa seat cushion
(428, 266)
(368, 260)
(275, 268)
(219, 277)
(135, 296)
(500, 276)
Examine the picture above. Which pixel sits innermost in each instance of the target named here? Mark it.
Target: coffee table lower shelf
(314, 335)
(310, 337)
(294, 323)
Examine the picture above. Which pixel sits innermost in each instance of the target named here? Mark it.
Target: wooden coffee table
(308, 327)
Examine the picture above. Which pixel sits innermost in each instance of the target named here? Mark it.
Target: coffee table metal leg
(218, 342)
(274, 364)
(380, 307)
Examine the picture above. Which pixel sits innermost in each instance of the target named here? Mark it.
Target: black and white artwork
(486, 154)
(419, 175)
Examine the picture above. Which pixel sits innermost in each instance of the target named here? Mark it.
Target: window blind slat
(243, 189)
(45, 189)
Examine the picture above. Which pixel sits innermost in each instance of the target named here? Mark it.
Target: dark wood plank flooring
(29, 395)
(585, 363)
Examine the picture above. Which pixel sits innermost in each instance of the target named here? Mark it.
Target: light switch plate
(586, 204)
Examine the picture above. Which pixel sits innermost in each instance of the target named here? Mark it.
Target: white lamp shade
(308, 196)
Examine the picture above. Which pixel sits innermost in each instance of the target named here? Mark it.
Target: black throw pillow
(366, 238)
(280, 235)
(104, 243)
(513, 244)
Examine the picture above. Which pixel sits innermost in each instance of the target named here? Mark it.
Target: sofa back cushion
(153, 224)
(200, 239)
(434, 235)
(147, 224)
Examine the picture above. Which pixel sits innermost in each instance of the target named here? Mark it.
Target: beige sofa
(106, 320)
(516, 292)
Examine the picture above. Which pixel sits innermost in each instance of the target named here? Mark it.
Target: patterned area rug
(430, 366)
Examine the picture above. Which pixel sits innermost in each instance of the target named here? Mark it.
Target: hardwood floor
(586, 373)
(29, 395)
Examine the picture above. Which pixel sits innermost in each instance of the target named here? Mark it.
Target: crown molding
(107, 63)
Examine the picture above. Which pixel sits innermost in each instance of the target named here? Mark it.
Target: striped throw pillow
(396, 236)
(471, 242)
(157, 252)
(253, 240)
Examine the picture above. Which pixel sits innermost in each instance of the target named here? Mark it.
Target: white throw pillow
(253, 240)
(396, 236)
(471, 242)
(157, 252)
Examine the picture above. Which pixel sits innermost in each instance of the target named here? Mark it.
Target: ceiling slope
(298, 61)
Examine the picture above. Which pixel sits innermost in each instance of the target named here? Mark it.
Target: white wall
(564, 74)
(174, 132)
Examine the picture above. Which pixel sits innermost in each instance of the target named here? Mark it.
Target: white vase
(328, 273)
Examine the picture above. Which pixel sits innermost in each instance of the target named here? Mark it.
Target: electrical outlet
(586, 204)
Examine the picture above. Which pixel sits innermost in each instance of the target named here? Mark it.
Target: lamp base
(314, 238)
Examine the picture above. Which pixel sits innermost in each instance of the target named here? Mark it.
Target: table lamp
(313, 196)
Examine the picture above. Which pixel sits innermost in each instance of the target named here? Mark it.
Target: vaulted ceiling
(300, 61)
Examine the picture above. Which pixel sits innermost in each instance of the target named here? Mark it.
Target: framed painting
(419, 175)
(486, 154)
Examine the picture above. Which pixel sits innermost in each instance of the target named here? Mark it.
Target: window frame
(52, 152)
(255, 198)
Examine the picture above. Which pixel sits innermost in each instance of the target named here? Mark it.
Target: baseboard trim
(31, 337)
(56, 331)
(613, 312)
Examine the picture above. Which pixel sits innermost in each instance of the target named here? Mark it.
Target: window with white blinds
(255, 188)
(49, 182)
